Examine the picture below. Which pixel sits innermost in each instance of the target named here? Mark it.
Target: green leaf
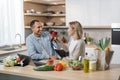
(107, 41)
(102, 43)
(98, 45)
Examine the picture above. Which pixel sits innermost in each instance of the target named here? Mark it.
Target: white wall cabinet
(109, 12)
(93, 12)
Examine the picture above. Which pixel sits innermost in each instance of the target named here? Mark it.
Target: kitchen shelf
(86, 27)
(46, 15)
(56, 27)
(44, 6)
(45, 2)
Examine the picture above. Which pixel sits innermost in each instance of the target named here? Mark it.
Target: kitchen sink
(9, 48)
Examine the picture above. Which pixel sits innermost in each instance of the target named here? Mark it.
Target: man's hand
(53, 57)
(57, 39)
(52, 37)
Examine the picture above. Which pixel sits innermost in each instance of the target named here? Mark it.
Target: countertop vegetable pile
(15, 61)
(11, 61)
(61, 65)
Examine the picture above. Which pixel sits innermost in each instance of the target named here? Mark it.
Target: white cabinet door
(93, 12)
(76, 10)
(84, 11)
(109, 11)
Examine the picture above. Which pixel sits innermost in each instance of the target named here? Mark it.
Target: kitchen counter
(27, 71)
(90, 46)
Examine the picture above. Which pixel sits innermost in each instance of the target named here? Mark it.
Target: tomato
(50, 62)
(63, 63)
(58, 67)
(18, 59)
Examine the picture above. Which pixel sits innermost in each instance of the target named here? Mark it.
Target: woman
(76, 45)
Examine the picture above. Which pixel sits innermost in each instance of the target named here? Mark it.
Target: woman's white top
(76, 48)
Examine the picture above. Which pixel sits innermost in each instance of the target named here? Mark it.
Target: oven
(115, 43)
(116, 36)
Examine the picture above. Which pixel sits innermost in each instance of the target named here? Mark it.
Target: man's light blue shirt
(40, 47)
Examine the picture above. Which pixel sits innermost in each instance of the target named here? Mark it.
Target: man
(39, 43)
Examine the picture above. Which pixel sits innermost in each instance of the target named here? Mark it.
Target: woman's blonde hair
(78, 29)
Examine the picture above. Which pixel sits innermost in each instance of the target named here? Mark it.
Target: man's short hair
(33, 22)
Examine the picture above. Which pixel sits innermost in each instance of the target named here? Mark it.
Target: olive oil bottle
(86, 64)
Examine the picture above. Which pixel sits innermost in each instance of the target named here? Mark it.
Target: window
(11, 22)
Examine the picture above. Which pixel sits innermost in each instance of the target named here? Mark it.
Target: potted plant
(88, 39)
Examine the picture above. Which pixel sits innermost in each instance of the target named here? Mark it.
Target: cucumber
(44, 68)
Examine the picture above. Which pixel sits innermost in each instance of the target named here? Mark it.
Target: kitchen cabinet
(93, 13)
(84, 11)
(45, 12)
(109, 11)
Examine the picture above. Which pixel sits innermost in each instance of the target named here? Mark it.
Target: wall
(28, 31)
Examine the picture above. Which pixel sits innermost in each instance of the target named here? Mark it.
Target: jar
(92, 65)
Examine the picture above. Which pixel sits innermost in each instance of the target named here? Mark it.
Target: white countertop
(27, 71)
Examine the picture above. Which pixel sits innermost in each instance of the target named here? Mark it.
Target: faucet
(20, 45)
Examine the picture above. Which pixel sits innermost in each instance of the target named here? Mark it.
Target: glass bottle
(86, 64)
(84, 37)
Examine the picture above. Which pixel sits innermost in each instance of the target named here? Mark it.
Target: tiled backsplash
(97, 34)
